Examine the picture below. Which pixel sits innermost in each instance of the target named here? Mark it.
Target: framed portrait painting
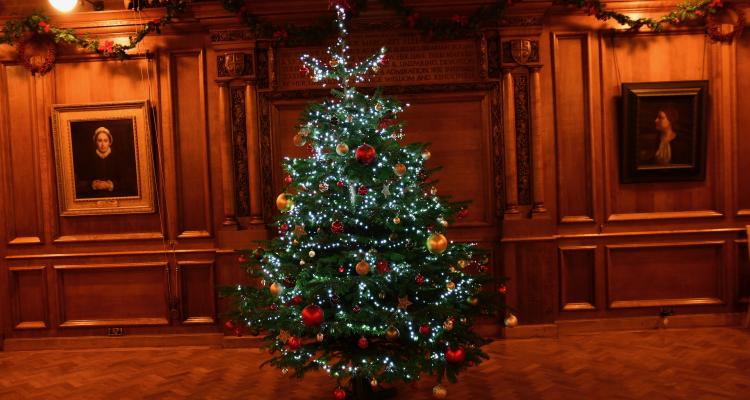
(104, 158)
(663, 137)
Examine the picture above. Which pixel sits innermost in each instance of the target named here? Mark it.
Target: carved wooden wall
(523, 118)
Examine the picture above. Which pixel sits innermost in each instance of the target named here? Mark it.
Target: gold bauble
(426, 155)
(333, 63)
(342, 149)
(462, 264)
(433, 190)
(275, 288)
(396, 220)
(284, 202)
(472, 300)
(439, 392)
(450, 285)
(443, 222)
(378, 107)
(319, 337)
(299, 140)
(448, 325)
(363, 268)
(437, 243)
(374, 382)
(375, 68)
(391, 333)
(399, 169)
(511, 321)
(349, 118)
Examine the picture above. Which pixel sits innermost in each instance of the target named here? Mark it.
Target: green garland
(38, 24)
(457, 26)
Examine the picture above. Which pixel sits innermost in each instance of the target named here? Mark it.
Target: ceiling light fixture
(68, 5)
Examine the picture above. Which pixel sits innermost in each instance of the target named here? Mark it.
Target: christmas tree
(361, 281)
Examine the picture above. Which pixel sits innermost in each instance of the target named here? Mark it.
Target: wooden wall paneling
(649, 57)
(195, 291)
(578, 277)
(571, 74)
(27, 290)
(741, 147)
(90, 295)
(536, 280)
(743, 271)
(666, 274)
(188, 101)
(20, 128)
(71, 83)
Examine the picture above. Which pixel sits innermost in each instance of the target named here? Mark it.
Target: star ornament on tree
(403, 302)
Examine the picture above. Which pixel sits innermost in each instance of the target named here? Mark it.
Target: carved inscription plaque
(411, 59)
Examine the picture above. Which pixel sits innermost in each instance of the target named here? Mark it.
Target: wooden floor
(664, 364)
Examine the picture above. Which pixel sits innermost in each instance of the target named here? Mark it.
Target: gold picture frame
(104, 158)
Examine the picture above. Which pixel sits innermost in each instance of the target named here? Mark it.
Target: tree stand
(362, 390)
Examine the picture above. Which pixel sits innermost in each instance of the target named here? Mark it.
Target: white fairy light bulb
(64, 5)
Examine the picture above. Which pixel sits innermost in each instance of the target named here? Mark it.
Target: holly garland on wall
(36, 28)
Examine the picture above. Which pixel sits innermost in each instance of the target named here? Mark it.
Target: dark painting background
(647, 139)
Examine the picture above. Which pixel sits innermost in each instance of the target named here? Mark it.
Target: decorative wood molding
(227, 159)
(262, 68)
(25, 240)
(537, 135)
(509, 139)
(230, 66)
(109, 237)
(567, 305)
(521, 21)
(118, 254)
(523, 140)
(664, 302)
(511, 50)
(498, 149)
(240, 150)
(232, 35)
(664, 215)
(182, 291)
(491, 52)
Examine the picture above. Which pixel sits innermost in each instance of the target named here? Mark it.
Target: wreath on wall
(36, 39)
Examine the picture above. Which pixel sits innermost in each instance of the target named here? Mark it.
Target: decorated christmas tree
(361, 281)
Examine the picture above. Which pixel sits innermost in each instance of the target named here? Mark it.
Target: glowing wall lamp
(67, 5)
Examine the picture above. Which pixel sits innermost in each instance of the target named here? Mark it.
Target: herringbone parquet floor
(664, 364)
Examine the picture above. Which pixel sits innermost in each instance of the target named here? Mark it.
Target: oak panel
(191, 155)
(661, 274)
(650, 58)
(28, 297)
(18, 128)
(457, 127)
(572, 121)
(578, 277)
(743, 121)
(112, 294)
(743, 271)
(195, 280)
(125, 80)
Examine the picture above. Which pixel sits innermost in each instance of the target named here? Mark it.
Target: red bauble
(419, 279)
(340, 184)
(337, 227)
(242, 258)
(342, 269)
(463, 213)
(362, 190)
(288, 179)
(365, 154)
(383, 266)
(470, 363)
(296, 299)
(238, 331)
(339, 394)
(362, 342)
(312, 315)
(284, 227)
(502, 289)
(424, 329)
(229, 324)
(274, 307)
(356, 309)
(304, 71)
(455, 356)
(294, 342)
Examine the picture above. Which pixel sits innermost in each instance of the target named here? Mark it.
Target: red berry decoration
(294, 342)
(229, 325)
(296, 299)
(288, 179)
(365, 154)
(424, 329)
(383, 266)
(340, 184)
(337, 227)
(339, 394)
(362, 342)
(312, 315)
(362, 190)
(419, 279)
(455, 356)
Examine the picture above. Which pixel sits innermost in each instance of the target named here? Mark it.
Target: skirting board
(102, 342)
(590, 326)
